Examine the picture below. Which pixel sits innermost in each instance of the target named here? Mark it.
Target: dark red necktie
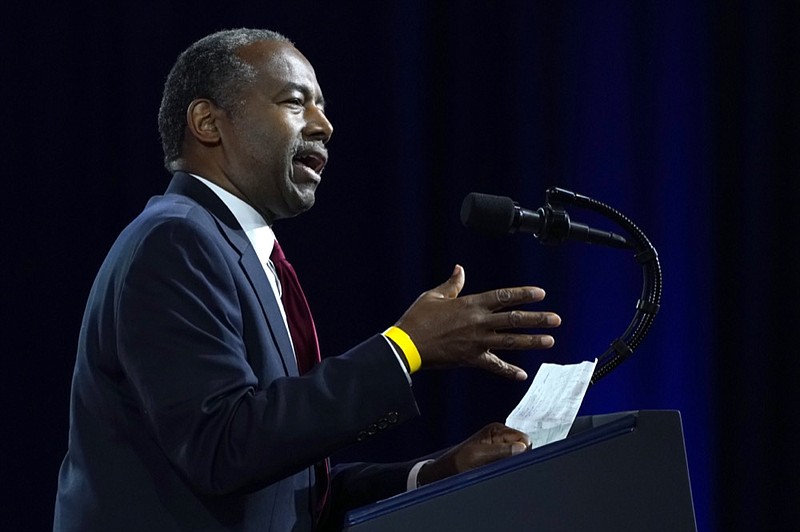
(298, 315)
(306, 344)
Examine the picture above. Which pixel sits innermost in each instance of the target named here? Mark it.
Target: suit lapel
(254, 272)
(252, 268)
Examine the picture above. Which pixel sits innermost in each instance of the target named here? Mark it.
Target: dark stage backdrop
(682, 114)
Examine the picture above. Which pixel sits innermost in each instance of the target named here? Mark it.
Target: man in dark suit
(188, 410)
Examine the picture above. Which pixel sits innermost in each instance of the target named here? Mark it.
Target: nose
(318, 127)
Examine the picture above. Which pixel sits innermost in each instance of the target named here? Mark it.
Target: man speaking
(199, 401)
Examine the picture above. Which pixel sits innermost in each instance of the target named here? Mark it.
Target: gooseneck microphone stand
(556, 230)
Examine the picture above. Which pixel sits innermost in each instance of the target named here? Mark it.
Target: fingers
(519, 447)
(451, 287)
(487, 453)
(490, 362)
(453, 331)
(521, 319)
(508, 297)
(519, 341)
(499, 441)
(499, 433)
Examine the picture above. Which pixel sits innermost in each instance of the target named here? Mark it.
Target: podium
(614, 472)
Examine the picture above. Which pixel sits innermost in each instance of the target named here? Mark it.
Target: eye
(295, 102)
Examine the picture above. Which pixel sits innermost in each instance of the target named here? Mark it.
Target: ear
(201, 120)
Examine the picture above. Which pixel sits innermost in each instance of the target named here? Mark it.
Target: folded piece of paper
(550, 405)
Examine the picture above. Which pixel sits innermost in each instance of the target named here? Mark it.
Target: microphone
(499, 215)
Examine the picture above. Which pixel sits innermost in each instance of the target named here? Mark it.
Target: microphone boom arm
(645, 254)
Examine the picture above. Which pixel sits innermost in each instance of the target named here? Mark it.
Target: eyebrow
(292, 86)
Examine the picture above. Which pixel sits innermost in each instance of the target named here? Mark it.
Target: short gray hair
(209, 68)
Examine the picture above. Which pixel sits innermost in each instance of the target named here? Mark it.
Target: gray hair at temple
(209, 68)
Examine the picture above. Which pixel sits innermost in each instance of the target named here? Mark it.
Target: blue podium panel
(615, 472)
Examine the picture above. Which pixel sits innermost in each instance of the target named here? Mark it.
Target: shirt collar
(255, 227)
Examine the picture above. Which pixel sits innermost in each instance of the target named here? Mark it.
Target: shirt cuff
(412, 482)
(399, 358)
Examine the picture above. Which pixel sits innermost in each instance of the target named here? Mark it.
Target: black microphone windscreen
(487, 214)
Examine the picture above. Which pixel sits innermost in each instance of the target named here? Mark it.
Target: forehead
(279, 64)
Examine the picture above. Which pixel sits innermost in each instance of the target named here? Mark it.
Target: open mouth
(312, 158)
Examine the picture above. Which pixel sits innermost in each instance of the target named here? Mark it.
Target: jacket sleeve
(180, 339)
(358, 484)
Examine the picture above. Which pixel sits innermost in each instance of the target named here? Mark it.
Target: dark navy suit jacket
(187, 412)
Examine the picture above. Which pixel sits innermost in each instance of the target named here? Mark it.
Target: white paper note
(551, 404)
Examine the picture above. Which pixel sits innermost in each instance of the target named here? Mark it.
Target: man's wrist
(406, 346)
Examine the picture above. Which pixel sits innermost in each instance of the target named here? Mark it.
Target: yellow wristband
(403, 340)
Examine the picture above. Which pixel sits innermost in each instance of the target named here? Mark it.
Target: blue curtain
(683, 115)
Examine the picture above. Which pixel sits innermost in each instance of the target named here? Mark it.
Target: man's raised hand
(452, 331)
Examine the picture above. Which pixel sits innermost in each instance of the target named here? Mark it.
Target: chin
(305, 198)
(300, 206)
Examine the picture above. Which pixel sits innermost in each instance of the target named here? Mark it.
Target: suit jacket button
(362, 436)
(372, 429)
(392, 417)
(383, 423)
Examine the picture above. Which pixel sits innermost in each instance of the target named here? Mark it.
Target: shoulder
(171, 230)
